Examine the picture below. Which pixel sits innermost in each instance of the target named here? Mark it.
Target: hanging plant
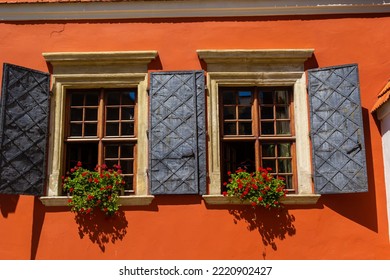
(259, 188)
(91, 190)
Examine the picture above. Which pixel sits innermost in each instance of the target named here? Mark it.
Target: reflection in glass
(281, 97)
(128, 98)
(282, 112)
(127, 113)
(245, 98)
(283, 127)
(245, 128)
(268, 150)
(284, 150)
(284, 165)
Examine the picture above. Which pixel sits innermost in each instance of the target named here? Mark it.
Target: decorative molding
(97, 10)
(139, 200)
(290, 199)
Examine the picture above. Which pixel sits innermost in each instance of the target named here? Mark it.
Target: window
(87, 89)
(258, 131)
(101, 130)
(252, 115)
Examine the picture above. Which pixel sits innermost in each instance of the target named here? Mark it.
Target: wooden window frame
(101, 138)
(83, 70)
(262, 68)
(257, 137)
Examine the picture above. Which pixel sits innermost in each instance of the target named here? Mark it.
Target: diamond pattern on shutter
(177, 135)
(23, 130)
(337, 130)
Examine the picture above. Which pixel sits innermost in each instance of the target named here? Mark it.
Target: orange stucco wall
(350, 226)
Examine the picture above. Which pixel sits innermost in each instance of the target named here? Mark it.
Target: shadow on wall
(113, 229)
(8, 204)
(272, 224)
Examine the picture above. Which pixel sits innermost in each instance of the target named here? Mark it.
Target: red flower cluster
(259, 188)
(90, 190)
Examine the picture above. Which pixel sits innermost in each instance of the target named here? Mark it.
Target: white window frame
(97, 70)
(270, 67)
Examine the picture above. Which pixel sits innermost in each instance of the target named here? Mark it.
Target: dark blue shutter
(177, 134)
(24, 119)
(337, 135)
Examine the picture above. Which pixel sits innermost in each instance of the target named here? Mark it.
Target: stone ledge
(290, 199)
(140, 200)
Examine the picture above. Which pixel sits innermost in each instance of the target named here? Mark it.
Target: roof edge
(34, 11)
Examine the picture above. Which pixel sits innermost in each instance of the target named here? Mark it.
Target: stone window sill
(290, 199)
(136, 200)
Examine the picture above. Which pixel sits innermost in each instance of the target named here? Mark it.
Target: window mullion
(101, 123)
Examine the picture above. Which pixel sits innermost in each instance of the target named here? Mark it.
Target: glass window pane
(77, 100)
(129, 182)
(288, 181)
(229, 97)
(90, 129)
(266, 98)
(229, 129)
(284, 150)
(127, 166)
(229, 112)
(127, 113)
(91, 99)
(269, 163)
(112, 114)
(267, 128)
(76, 129)
(110, 163)
(112, 129)
(84, 152)
(244, 112)
(238, 154)
(127, 151)
(113, 98)
(128, 98)
(76, 114)
(267, 112)
(245, 98)
(111, 151)
(282, 112)
(268, 150)
(91, 114)
(245, 128)
(283, 127)
(127, 128)
(284, 166)
(281, 97)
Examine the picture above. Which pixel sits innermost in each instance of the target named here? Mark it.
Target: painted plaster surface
(353, 226)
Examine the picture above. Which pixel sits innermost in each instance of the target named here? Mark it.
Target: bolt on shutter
(337, 135)
(177, 136)
(24, 115)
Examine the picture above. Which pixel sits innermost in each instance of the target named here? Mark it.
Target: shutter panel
(337, 135)
(177, 136)
(23, 130)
